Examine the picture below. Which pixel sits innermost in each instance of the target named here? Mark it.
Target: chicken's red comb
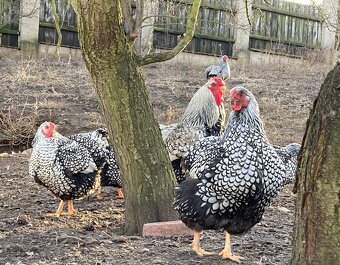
(218, 81)
(51, 125)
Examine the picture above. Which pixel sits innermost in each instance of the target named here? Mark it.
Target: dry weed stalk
(17, 125)
(314, 56)
(23, 74)
(169, 114)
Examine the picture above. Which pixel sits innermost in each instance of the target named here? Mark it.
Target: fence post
(145, 38)
(29, 27)
(329, 27)
(242, 31)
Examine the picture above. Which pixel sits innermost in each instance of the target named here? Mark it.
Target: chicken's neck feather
(248, 116)
(201, 110)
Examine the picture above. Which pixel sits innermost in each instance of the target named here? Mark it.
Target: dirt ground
(35, 91)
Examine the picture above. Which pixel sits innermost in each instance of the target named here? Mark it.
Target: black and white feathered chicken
(289, 155)
(213, 146)
(110, 174)
(222, 70)
(97, 144)
(203, 117)
(63, 166)
(234, 177)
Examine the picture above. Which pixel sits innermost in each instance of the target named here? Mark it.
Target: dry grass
(51, 104)
(17, 126)
(64, 93)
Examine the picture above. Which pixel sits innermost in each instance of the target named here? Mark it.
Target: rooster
(203, 117)
(234, 177)
(63, 166)
(97, 144)
(222, 70)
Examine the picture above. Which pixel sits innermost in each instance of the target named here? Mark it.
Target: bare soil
(34, 91)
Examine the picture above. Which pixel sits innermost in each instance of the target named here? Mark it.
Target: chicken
(222, 70)
(233, 178)
(289, 155)
(97, 144)
(166, 130)
(203, 117)
(63, 166)
(110, 174)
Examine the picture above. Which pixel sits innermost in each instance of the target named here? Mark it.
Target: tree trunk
(147, 173)
(316, 238)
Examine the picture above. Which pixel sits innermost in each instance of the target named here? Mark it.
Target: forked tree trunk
(148, 177)
(316, 237)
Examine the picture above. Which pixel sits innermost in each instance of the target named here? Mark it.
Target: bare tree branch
(248, 12)
(187, 37)
(57, 26)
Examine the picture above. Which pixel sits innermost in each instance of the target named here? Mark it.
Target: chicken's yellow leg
(120, 194)
(196, 246)
(99, 190)
(226, 252)
(58, 211)
(71, 210)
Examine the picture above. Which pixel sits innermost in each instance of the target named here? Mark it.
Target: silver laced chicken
(63, 166)
(204, 116)
(97, 144)
(289, 155)
(222, 70)
(232, 178)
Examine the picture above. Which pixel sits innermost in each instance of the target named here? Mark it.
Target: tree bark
(147, 173)
(316, 238)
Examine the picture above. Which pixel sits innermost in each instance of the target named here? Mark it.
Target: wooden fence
(9, 23)
(47, 31)
(285, 27)
(278, 26)
(214, 34)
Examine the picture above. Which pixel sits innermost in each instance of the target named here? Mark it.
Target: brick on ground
(167, 229)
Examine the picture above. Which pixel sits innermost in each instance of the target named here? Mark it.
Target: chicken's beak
(224, 89)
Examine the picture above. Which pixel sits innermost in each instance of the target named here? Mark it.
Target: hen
(97, 144)
(235, 177)
(222, 70)
(203, 117)
(289, 155)
(63, 166)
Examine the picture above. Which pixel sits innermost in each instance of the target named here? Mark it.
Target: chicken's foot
(71, 210)
(196, 246)
(99, 192)
(58, 212)
(119, 193)
(226, 252)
